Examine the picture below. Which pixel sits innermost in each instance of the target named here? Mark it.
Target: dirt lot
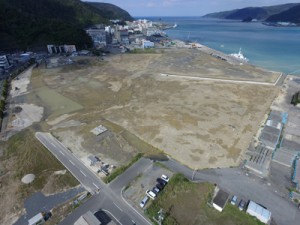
(200, 123)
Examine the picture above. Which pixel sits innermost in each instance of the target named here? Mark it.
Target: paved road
(246, 186)
(86, 177)
(108, 199)
(38, 202)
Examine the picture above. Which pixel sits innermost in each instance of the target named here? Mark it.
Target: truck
(37, 219)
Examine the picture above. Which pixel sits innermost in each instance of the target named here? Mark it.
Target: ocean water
(272, 48)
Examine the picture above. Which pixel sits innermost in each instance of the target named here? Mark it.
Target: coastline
(218, 54)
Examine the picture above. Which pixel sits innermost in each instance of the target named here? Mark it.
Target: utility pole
(194, 172)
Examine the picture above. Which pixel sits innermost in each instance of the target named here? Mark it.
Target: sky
(138, 8)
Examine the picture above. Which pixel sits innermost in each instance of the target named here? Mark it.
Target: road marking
(112, 215)
(96, 185)
(219, 80)
(53, 144)
(72, 162)
(82, 173)
(118, 207)
(62, 153)
(132, 207)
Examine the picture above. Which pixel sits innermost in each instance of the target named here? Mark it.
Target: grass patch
(143, 51)
(121, 169)
(139, 143)
(57, 103)
(30, 156)
(184, 202)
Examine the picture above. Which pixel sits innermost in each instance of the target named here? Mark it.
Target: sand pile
(28, 178)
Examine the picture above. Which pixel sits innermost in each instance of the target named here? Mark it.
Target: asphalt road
(246, 186)
(86, 177)
(108, 199)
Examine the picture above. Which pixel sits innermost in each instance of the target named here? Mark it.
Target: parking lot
(136, 191)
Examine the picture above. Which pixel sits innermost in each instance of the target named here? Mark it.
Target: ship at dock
(240, 56)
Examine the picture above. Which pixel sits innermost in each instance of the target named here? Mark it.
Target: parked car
(242, 205)
(151, 194)
(159, 186)
(233, 200)
(144, 201)
(161, 181)
(155, 190)
(165, 178)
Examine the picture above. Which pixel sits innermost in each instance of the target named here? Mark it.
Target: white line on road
(62, 153)
(72, 162)
(112, 215)
(82, 173)
(96, 185)
(53, 144)
(118, 207)
(132, 207)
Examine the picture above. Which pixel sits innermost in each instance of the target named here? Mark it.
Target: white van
(144, 201)
(151, 194)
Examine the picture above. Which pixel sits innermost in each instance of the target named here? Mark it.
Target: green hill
(292, 15)
(31, 24)
(259, 13)
(111, 11)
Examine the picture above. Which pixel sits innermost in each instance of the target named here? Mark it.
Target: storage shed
(260, 212)
(220, 200)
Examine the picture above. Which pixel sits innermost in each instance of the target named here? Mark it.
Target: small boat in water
(240, 56)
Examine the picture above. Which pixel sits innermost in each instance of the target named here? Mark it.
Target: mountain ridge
(258, 13)
(30, 25)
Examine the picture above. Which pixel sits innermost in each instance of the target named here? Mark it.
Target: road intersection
(104, 197)
(234, 180)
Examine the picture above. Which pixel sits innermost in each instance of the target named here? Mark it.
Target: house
(220, 200)
(88, 219)
(258, 211)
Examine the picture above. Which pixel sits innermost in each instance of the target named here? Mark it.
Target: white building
(261, 213)
(98, 36)
(147, 44)
(4, 64)
(55, 49)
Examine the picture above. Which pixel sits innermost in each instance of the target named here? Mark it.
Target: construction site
(160, 101)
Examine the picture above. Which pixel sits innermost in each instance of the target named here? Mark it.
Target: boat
(240, 56)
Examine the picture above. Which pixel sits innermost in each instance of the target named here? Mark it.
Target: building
(88, 219)
(258, 211)
(56, 49)
(4, 63)
(296, 174)
(98, 36)
(122, 36)
(147, 44)
(220, 200)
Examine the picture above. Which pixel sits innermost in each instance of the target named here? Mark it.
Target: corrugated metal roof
(259, 212)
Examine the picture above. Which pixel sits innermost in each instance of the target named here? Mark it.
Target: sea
(269, 47)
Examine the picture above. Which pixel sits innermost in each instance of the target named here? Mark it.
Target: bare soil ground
(23, 154)
(200, 123)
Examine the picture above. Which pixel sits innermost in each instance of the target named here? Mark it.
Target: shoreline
(218, 54)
